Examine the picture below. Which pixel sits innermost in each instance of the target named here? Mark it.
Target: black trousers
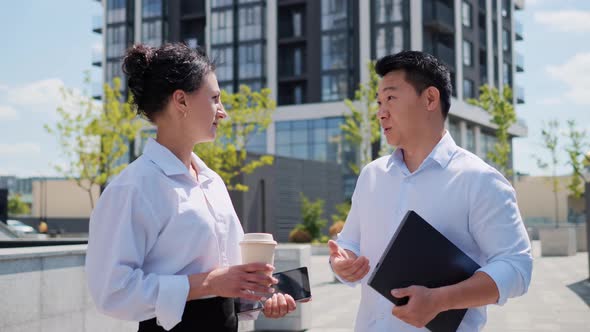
(215, 314)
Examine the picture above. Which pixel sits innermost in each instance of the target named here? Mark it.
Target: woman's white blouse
(152, 227)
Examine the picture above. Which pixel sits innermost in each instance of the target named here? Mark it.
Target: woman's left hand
(279, 305)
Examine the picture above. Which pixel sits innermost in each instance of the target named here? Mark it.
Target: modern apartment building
(313, 55)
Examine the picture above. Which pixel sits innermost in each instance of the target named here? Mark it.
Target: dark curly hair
(422, 70)
(154, 73)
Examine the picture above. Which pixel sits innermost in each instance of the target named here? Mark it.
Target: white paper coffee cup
(258, 248)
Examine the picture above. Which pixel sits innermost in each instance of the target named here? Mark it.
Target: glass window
(116, 41)
(468, 91)
(390, 40)
(113, 70)
(220, 3)
(466, 14)
(116, 10)
(334, 14)
(455, 132)
(506, 39)
(334, 86)
(467, 53)
(297, 24)
(250, 61)
(224, 60)
(151, 8)
(388, 11)
(335, 53)
(507, 70)
(250, 23)
(151, 33)
(256, 141)
(222, 27)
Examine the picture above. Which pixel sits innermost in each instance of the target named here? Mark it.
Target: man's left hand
(279, 305)
(424, 304)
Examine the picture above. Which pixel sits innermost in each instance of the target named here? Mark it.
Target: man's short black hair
(422, 70)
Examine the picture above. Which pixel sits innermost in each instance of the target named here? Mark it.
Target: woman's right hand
(241, 281)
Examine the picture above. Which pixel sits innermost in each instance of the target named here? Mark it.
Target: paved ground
(558, 299)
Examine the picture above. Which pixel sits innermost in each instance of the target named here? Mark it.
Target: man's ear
(432, 99)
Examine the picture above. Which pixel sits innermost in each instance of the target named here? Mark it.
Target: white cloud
(7, 113)
(19, 149)
(575, 73)
(41, 95)
(565, 20)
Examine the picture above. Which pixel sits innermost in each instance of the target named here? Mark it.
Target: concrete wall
(61, 199)
(536, 199)
(43, 289)
(273, 205)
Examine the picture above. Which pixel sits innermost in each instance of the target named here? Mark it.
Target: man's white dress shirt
(461, 196)
(152, 227)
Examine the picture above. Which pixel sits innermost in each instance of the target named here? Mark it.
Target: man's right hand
(345, 263)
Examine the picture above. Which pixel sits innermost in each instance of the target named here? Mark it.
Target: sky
(49, 44)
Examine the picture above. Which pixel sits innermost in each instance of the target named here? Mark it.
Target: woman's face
(205, 110)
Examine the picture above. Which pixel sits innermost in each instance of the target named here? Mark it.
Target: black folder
(420, 255)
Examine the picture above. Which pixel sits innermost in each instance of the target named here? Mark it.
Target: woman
(163, 244)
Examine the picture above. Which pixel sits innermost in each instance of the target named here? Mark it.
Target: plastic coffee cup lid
(265, 238)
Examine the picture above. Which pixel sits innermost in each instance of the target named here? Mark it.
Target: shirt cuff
(172, 294)
(503, 275)
(355, 248)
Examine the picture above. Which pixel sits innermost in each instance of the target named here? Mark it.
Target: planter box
(320, 249)
(290, 256)
(581, 237)
(558, 241)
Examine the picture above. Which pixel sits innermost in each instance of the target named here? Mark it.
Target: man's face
(401, 109)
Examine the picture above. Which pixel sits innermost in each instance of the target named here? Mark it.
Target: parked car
(20, 227)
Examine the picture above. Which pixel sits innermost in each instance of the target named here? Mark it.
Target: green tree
(501, 108)
(94, 137)
(311, 213)
(575, 150)
(550, 135)
(361, 126)
(249, 112)
(16, 206)
(342, 210)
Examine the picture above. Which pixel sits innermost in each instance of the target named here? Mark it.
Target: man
(465, 199)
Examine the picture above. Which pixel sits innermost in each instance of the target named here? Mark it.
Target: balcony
(519, 63)
(97, 90)
(438, 17)
(442, 52)
(97, 24)
(483, 37)
(519, 95)
(518, 30)
(482, 6)
(97, 57)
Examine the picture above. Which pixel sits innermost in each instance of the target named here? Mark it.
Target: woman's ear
(179, 101)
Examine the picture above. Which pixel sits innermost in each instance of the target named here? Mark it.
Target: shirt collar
(441, 154)
(169, 163)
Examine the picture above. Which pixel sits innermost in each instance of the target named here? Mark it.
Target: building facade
(313, 55)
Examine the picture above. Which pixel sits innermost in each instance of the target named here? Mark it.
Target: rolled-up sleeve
(496, 225)
(122, 230)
